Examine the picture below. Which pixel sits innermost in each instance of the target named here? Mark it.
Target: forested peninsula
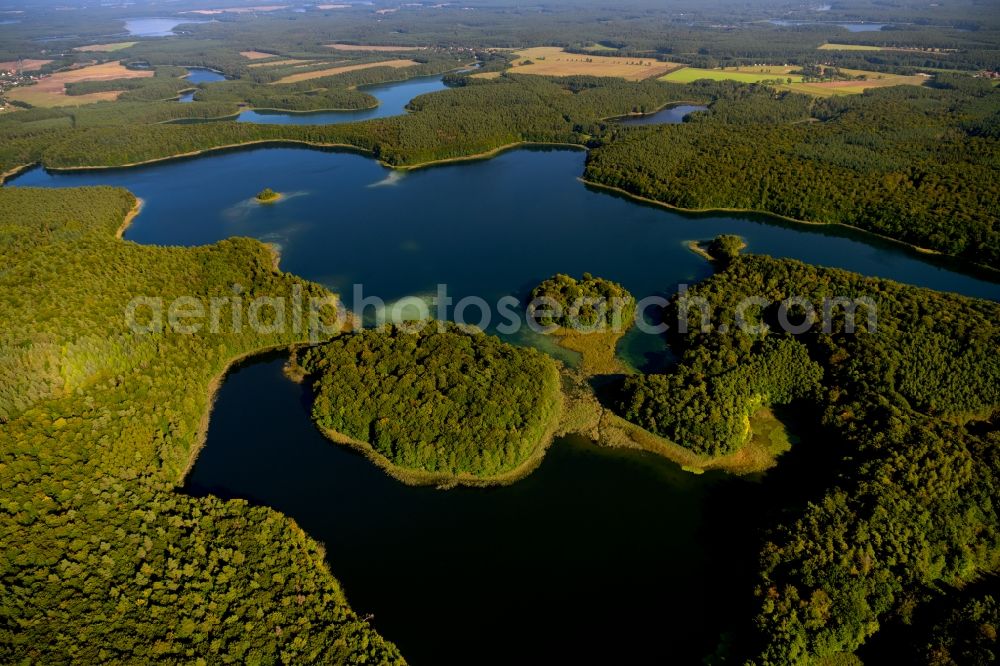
(98, 424)
(911, 409)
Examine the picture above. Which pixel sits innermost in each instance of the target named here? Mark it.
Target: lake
(850, 27)
(601, 555)
(667, 116)
(392, 97)
(198, 75)
(155, 27)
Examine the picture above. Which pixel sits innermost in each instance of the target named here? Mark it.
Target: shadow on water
(600, 556)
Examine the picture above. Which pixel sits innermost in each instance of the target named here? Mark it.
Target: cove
(600, 555)
(392, 100)
(668, 116)
(156, 27)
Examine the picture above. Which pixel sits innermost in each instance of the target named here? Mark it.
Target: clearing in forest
(554, 61)
(27, 65)
(105, 48)
(320, 73)
(372, 47)
(51, 90)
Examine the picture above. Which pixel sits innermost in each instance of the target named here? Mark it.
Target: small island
(589, 317)
(445, 407)
(267, 195)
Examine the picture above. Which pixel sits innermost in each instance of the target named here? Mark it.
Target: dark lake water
(392, 97)
(668, 116)
(599, 556)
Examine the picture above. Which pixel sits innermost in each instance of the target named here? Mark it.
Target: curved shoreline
(961, 262)
(668, 105)
(968, 263)
(446, 481)
(131, 215)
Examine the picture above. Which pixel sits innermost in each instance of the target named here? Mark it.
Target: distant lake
(203, 75)
(668, 116)
(155, 27)
(199, 75)
(392, 97)
(602, 555)
(851, 27)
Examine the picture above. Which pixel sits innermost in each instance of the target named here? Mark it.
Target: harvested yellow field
(371, 47)
(279, 63)
(331, 71)
(105, 48)
(26, 65)
(51, 90)
(762, 69)
(485, 75)
(256, 55)
(554, 61)
(871, 80)
(848, 47)
(236, 10)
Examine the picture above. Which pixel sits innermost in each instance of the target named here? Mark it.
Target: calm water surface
(668, 116)
(155, 27)
(392, 97)
(197, 75)
(600, 556)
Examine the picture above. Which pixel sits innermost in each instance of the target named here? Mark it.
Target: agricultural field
(871, 80)
(765, 73)
(105, 48)
(256, 55)
(280, 63)
(554, 61)
(51, 90)
(27, 65)
(372, 47)
(236, 10)
(320, 73)
(741, 74)
(849, 47)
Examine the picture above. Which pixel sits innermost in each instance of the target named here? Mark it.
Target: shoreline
(995, 272)
(16, 171)
(447, 481)
(214, 385)
(668, 105)
(129, 216)
(961, 261)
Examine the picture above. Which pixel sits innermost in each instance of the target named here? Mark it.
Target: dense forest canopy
(912, 407)
(97, 425)
(590, 303)
(450, 401)
(897, 553)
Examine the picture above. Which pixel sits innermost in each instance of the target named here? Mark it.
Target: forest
(914, 164)
(910, 518)
(97, 426)
(451, 402)
(586, 304)
(893, 553)
(911, 163)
